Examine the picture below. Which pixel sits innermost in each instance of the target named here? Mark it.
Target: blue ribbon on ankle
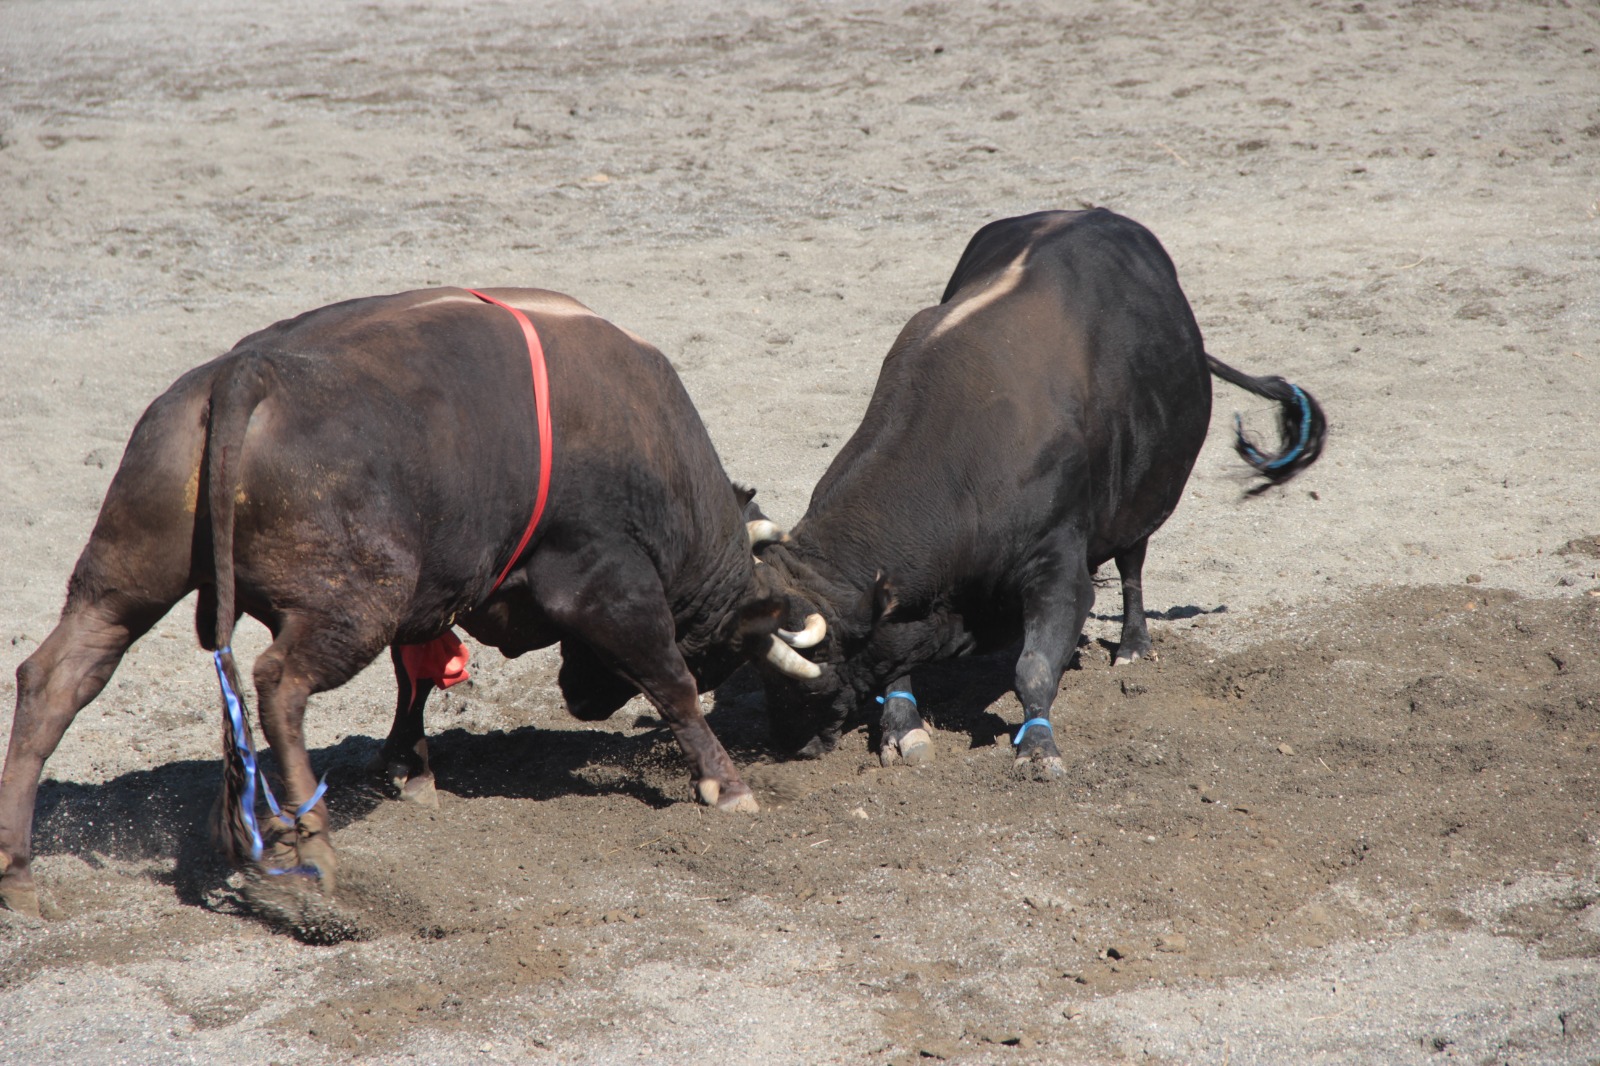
(899, 696)
(1025, 726)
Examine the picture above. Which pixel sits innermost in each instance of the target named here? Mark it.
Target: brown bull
(361, 477)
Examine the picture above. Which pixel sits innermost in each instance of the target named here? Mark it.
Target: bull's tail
(235, 395)
(1301, 426)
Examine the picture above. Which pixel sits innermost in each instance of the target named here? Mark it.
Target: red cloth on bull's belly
(442, 660)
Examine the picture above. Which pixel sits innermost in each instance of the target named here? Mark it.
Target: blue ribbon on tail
(247, 752)
(253, 773)
(1293, 453)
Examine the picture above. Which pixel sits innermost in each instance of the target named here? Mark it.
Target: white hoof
(745, 804)
(710, 791)
(422, 792)
(916, 748)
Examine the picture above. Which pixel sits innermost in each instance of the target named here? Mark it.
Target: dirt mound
(1222, 817)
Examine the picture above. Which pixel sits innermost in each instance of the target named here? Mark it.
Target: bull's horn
(764, 531)
(809, 637)
(792, 662)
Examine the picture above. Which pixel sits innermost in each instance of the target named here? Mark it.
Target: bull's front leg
(619, 609)
(1054, 611)
(713, 776)
(903, 735)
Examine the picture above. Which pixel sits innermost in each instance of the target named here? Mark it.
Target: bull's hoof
(317, 861)
(738, 798)
(22, 899)
(1124, 657)
(914, 748)
(1040, 767)
(300, 867)
(411, 787)
(421, 791)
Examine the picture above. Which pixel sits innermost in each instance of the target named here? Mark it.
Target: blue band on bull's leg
(902, 734)
(305, 808)
(293, 821)
(1030, 723)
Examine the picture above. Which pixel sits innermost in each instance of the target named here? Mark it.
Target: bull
(362, 477)
(1042, 419)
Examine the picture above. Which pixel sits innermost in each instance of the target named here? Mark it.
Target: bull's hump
(1000, 285)
(533, 301)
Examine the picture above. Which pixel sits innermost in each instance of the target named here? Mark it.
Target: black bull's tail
(235, 394)
(1301, 426)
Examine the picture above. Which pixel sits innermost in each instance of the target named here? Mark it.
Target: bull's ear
(882, 600)
(744, 494)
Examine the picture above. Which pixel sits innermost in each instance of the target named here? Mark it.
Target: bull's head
(811, 698)
(783, 652)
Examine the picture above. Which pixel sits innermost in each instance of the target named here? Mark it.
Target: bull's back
(401, 432)
(1061, 383)
(392, 426)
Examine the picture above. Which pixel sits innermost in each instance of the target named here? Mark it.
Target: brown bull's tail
(235, 394)
(1301, 426)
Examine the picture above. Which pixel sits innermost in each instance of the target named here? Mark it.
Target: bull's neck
(709, 590)
(800, 571)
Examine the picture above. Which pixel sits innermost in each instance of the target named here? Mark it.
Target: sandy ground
(1350, 816)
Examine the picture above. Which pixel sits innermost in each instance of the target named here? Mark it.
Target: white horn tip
(765, 531)
(809, 637)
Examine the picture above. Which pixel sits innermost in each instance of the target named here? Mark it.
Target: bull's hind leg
(403, 759)
(307, 656)
(1054, 610)
(57, 681)
(1135, 632)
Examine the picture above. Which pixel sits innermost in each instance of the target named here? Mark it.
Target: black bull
(1041, 420)
(365, 472)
